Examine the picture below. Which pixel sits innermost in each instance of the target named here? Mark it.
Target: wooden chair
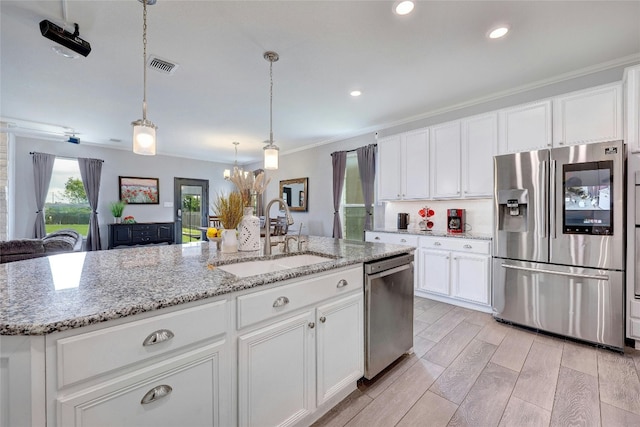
(214, 221)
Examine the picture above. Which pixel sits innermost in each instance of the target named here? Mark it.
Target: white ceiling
(406, 67)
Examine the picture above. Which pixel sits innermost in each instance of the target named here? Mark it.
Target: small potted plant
(116, 210)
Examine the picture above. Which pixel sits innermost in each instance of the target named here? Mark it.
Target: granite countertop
(44, 295)
(436, 233)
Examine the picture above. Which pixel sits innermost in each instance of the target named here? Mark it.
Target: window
(67, 205)
(352, 207)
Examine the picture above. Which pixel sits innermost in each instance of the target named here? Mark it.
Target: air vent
(162, 65)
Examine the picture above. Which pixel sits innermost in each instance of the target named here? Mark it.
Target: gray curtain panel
(367, 169)
(42, 170)
(339, 162)
(90, 172)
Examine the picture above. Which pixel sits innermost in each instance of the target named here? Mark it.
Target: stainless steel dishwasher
(388, 312)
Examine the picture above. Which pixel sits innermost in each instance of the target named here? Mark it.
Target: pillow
(21, 246)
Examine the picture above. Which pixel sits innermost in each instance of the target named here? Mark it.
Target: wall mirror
(295, 193)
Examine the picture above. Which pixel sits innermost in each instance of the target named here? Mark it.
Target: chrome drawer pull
(403, 240)
(157, 337)
(156, 393)
(468, 247)
(280, 301)
(323, 319)
(377, 238)
(342, 283)
(312, 325)
(437, 244)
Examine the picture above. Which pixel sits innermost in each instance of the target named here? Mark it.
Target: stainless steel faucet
(267, 223)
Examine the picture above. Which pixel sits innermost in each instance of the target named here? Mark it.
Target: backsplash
(479, 214)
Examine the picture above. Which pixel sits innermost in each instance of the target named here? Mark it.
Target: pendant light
(271, 150)
(227, 172)
(144, 131)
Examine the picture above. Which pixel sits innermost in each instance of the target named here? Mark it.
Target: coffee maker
(403, 221)
(455, 221)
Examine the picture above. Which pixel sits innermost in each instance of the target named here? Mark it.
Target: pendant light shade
(144, 138)
(271, 157)
(271, 150)
(144, 131)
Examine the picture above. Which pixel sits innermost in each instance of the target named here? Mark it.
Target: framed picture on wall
(139, 191)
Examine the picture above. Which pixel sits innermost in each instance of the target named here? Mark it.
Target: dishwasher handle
(403, 267)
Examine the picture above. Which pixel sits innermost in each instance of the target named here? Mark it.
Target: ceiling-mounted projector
(64, 37)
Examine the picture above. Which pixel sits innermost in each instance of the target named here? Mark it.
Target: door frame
(177, 203)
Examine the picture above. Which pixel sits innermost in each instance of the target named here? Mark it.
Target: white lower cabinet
(275, 372)
(340, 340)
(300, 360)
(185, 392)
(164, 369)
(455, 270)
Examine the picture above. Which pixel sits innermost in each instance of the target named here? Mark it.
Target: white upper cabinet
(479, 145)
(525, 127)
(403, 166)
(415, 170)
(389, 168)
(587, 116)
(632, 108)
(445, 160)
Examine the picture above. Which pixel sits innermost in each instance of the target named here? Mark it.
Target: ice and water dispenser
(513, 210)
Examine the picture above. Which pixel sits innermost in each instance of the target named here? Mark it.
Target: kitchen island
(83, 336)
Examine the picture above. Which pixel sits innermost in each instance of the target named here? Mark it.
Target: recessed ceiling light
(63, 51)
(355, 93)
(498, 32)
(403, 7)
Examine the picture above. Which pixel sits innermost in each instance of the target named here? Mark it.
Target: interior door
(191, 209)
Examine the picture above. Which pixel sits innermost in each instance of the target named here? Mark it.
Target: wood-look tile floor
(469, 370)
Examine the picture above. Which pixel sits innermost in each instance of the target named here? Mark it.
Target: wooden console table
(141, 234)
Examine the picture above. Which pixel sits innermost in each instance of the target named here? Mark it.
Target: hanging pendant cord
(271, 101)
(144, 60)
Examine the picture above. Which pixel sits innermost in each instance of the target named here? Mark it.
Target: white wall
(22, 207)
(314, 163)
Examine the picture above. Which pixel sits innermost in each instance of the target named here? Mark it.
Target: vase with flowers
(249, 227)
(116, 210)
(229, 210)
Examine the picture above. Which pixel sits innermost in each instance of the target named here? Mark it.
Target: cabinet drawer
(185, 395)
(456, 244)
(262, 305)
(144, 227)
(393, 238)
(94, 353)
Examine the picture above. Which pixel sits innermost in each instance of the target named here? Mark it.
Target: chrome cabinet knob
(312, 325)
(156, 393)
(342, 283)
(468, 247)
(156, 337)
(280, 301)
(323, 319)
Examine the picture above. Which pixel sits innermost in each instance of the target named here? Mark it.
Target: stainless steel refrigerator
(559, 241)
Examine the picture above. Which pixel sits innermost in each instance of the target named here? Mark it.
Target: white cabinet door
(434, 271)
(339, 345)
(632, 108)
(470, 277)
(415, 170)
(479, 145)
(592, 115)
(525, 127)
(186, 394)
(276, 372)
(445, 160)
(389, 166)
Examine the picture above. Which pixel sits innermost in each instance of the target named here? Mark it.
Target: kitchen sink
(254, 268)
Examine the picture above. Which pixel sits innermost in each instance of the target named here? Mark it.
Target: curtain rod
(355, 149)
(63, 157)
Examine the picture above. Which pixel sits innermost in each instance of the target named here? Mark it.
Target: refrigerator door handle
(558, 273)
(552, 198)
(544, 173)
